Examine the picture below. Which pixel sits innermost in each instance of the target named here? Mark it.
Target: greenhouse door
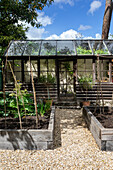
(66, 80)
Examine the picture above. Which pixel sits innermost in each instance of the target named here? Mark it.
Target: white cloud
(35, 33)
(70, 2)
(98, 36)
(70, 34)
(43, 19)
(94, 6)
(84, 27)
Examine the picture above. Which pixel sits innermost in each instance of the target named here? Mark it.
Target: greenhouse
(61, 65)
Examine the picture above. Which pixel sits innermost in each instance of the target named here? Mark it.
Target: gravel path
(74, 149)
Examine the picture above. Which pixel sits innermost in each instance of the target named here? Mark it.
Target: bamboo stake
(34, 93)
(23, 103)
(16, 86)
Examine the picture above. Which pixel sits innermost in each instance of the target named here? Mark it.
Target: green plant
(86, 83)
(102, 51)
(81, 50)
(42, 79)
(49, 79)
(68, 68)
(28, 102)
(43, 107)
(11, 104)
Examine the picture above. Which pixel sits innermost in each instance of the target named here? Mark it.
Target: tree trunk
(107, 19)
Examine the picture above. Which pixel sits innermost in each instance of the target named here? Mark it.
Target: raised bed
(32, 139)
(103, 136)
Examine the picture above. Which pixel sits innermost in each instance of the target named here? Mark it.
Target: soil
(105, 118)
(27, 123)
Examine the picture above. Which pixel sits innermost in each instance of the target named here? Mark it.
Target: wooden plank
(107, 131)
(96, 127)
(107, 137)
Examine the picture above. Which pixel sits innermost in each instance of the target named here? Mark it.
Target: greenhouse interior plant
(86, 84)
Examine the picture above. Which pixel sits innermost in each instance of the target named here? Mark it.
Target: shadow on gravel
(66, 119)
(57, 131)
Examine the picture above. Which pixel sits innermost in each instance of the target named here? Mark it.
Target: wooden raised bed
(32, 139)
(103, 136)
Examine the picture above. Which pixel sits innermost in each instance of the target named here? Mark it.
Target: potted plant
(85, 83)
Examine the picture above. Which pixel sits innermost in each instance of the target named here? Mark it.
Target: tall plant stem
(16, 86)
(34, 94)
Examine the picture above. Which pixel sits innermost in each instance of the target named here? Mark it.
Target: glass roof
(60, 47)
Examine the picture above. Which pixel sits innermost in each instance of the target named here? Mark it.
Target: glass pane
(89, 65)
(65, 48)
(48, 48)
(17, 65)
(103, 70)
(34, 65)
(51, 65)
(32, 48)
(43, 65)
(105, 64)
(18, 76)
(9, 76)
(80, 64)
(82, 47)
(85, 68)
(27, 72)
(98, 47)
(16, 48)
(109, 45)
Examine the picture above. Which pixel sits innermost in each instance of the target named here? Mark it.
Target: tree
(107, 19)
(13, 13)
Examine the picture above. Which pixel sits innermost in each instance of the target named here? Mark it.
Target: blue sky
(70, 19)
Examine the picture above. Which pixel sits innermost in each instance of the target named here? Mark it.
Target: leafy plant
(43, 107)
(68, 68)
(81, 50)
(11, 104)
(49, 79)
(86, 83)
(101, 51)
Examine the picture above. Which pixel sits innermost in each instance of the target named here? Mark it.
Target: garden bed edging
(103, 136)
(32, 139)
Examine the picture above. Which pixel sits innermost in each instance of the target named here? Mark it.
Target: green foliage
(65, 51)
(49, 79)
(81, 50)
(68, 68)
(43, 107)
(13, 13)
(42, 79)
(85, 82)
(101, 51)
(11, 105)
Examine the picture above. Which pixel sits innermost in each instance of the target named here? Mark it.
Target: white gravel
(74, 149)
